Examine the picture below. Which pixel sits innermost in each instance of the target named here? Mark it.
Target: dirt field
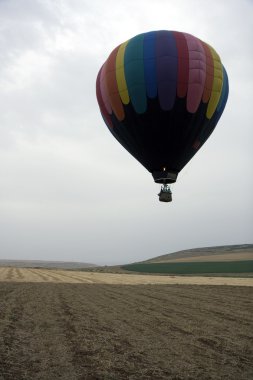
(77, 277)
(92, 330)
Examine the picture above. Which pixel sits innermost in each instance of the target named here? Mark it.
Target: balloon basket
(165, 194)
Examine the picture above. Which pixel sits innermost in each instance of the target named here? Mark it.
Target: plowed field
(56, 330)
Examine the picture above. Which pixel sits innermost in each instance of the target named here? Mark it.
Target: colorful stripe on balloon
(165, 65)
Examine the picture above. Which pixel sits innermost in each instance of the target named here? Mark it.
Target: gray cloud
(68, 191)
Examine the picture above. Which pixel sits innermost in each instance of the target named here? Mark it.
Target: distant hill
(44, 264)
(238, 252)
(232, 260)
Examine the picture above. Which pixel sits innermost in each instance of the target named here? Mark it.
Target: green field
(193, 267)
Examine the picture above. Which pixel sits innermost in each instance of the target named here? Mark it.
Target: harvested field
(98, 331)
(11, 274)
(241, 256)
(241, 252)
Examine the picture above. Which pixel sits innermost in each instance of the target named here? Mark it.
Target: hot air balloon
(161, 95)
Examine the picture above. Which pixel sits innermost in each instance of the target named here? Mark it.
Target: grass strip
(193, 267)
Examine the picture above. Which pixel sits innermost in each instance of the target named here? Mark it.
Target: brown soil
(81, 331)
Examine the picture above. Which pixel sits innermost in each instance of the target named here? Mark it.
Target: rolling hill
(44, 264)
(219, 260)
(218, 253)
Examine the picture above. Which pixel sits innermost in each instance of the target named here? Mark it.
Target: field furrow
(70, 277)
(146, 332)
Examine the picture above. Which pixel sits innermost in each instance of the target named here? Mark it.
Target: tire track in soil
(10, 274)
(141, 309)
(56, 276)
(115, 336)
(13, 312)
(44, 277)
(221, 343)
(98, 324)
(5, 296)
(19, 274)
(139, 304)
(29, 275)
(185, 325)
(94, 280)
(25, 352)
(79, 332)
(80, 358)
(129, 318)
(90, 339)
(3, 272)
(174, 300)
(47, 276)
(194, 306)
(59, 328)
(80, 279)
(59, 277)
(55, 347)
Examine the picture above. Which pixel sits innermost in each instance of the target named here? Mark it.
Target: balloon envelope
(161, 95)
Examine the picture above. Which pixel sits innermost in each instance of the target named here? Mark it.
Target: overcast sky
(68, 190)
